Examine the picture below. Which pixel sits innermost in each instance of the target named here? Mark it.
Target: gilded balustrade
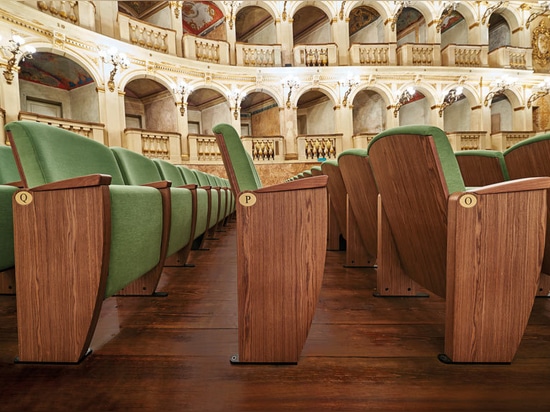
(66, 10)
(155, 145)
(320, 148)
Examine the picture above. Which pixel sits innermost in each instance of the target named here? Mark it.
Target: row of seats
(528, 158)
(90, 222)
(479, 248)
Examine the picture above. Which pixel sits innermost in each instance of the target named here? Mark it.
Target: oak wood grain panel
(415, 202)
(530, 161)
(363, 198)
(7, 282)
(62, 243)
(357, 254)
(337, 194)
(494, 256)
(480, 170)
(280, 258)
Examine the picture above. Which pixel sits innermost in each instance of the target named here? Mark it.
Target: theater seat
(481, 167)
(139, 170)
(81, 235)
(480, 249)
(281, 235)
(9, 180)
(530, 158)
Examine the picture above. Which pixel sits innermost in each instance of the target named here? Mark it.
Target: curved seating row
(90, 222)
(9, 180)
(480, 249)
(528, 158)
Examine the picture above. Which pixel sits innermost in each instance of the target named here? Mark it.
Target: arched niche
(206, 107)
(369, 112)
(149, 105)
(311, 25)
(260, 115)
(54, 85)
(255, 25)
(366, 25)
(315, 112)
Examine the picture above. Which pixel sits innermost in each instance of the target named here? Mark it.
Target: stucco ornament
(540, 41)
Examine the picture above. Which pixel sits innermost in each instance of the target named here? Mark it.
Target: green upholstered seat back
(136, 169)
(188, 176)
(239, 160)
(49, 154)
(8, 168)
(447, 158)
(169, 172)
(6, 227)
(201, 177)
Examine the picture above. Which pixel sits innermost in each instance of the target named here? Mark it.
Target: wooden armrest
(76, 182)
(517, 185)
(314, 182)
(161, 184)
(206, 187)
(189, 186)
(19, 184)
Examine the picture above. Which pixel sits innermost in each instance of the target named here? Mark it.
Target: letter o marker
(468, 201)
(23, 198)
(247, 199)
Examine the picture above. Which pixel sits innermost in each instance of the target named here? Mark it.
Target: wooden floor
(363, 354)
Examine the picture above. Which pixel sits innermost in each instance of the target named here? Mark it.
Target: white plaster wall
(373, 33)
(161, 115)
(85, 103)
(320, 118)
(161, 19)
(318, 36)
(50, 94)
(214, 115)
(369, 113)
(416, 112)
(268, 35)
(458, 34)
(504, 108)
(457, 117)
(135, 107)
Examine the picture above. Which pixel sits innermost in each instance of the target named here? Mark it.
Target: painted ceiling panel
(53, 70)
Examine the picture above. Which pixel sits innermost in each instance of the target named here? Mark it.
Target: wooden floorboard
(364, 353)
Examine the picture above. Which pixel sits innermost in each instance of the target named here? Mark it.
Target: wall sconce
(447, 11)
(350, 83)
(290, 83)
(233, 6)
(499, 87)
(403, 99)
(400, 5)
(176, 6)
(491, 9)
(183, 89)
(453, 96)
(542, 89)
(545, 6)
(14, 48)
(234, 96)
(116, 59)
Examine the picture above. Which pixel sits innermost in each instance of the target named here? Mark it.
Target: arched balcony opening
(367, 38)
(313, 39)
(59, 91)
(151, 118)
(369, 117)
(317, 135)
(412, 37)
(415, 111)
(256, 38)
(504, 50)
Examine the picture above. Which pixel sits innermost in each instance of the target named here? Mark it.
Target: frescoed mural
(200, 17)
(54, 71)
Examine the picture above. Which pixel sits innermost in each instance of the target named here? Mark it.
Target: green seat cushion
(241, 161)
(6, 227)
(136, 231)
(181, 221)
(354, 152)
(8, 168)
(447, 158)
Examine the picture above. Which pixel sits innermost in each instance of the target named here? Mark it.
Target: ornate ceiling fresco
(55, 71)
